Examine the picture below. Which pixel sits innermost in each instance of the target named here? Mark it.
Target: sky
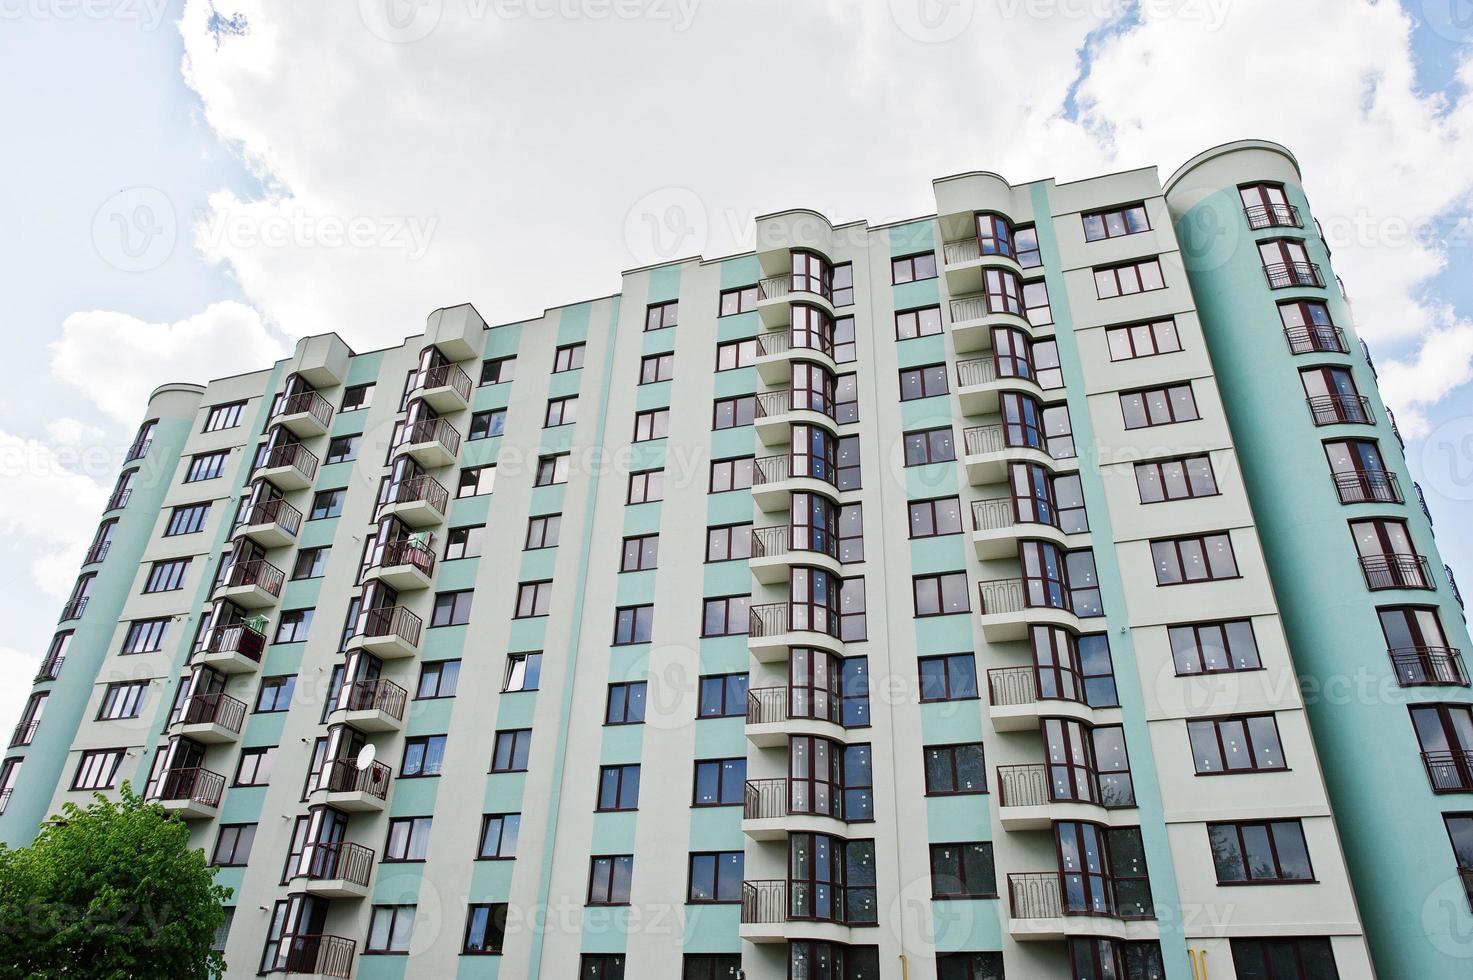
(187, 186)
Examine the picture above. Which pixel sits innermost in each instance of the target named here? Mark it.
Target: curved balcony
(1396, 572)
(97, 552)
(118, 500)
(211, 718)
(1050, 906)
(1014, 703)
(988, 455)
(270, 523)
(343, 785)
(193, 793)
(251, 584)
(73, 609)
(420, 501)
(773, 559)
(1261, 216)
(1283, 275)
(138, 449)
(972, 320)
(1317, 338)
(288, 467)
(771, 720)
(388, 632)
(776, 353)
(306, 414)
(337, 869)
(964, 261)
(980, 386)
(231, 649)
(375, 705)
(769, 917)
(996, 530)
(319, 956)
(768, 813)
(50, 668)
(1367, 487)
(775, 627)
(775, 416)
(1007, 614)
(403, 565)
(432, 442)
(773, 484)
(445, 389)
(1340, 410)
(775, 293)
(1428, 666)
(24, 733)
(1030, 797)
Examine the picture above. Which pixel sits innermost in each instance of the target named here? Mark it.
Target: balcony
(972, 320)
(420, 501)
(1367, 487)
(194, 793)
(776, 626)
(232, 649)
(288, 467)
(1015, 706)
(24, 733)
(445, 389)
(1422, 502)
(1340, 410)
(343, 785)
(769, 917)
(388, 632)
(773, 483)
(211, 718)
(270, 523)
(251, 584)
(138, 449)
(1396, 572)
(375, 705)
(73, 609)
(1261, 216)
(771, 719)
(765, 809)
(964, 262)
(1007, 614)
(1450, 772)
(432, 442)
(338, 869)
(1028, 798)
(1282, 275)
(775, 416)
(776, 353)
(980, 385)
(1049, 906)
(50, 668)
(306, 415)
(1316, 339)
(404, 566)
(1428, 667)
(320, 956)
(996, 530)
(97, 553)
(776, 293)
(1452, 585)
(988, 455)
(772, 557)
(118, 500)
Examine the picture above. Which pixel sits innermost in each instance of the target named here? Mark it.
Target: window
(327, 503)
(625, 705)
(224, 416)
(715, 877)
(732, 354)
(1115, 223)
(423, 756)
(618, 788)
(948, 678)
(464, 542)
(499, 833)
(476, 481)
(929, 446)
(933, 518)
(408, 840)
(1124, 280)
(731, 474)
(845, 350)
(166, 576)
(722, 696)
(1114, 959)
(1158, 406)
(953, 770)
(729, 542)
(275, 694)
(341, 449)
(923, 382)
(656, 367)
(633, 624)
(510, 753)
(1025, 242)
(533, 599)
(486, 424)
(721, 966)
(485, 928)
(121, 700)
(1286, 263)
(730, 413)
(254, 768)
(311, 563)
(726, 616)
(205, 466)
(1419, 648)
(1388, 557)
(390, 929)
(646, 486)
(1143, 339)
(852, 623)
(452, 608)
(1269, 852)
(293, 626)
(941, 595)
(911, 268)
(846, 399)
(438, 679)
(741, 300)
(523, 671)
(640, 553)
(658, 316)
(98, 769)
(233, 846)
(1309, 328)
(543, 531)
(972, 966)
(1248, 743)
(561, 411)
(1211, 648)
(356, 397)
(851, 533)
(1200, 558)
(498, 370)
(1284, 959)
(1443, 733)
(551, 470)
(1333, 397)
(1175, 479)
(1035, 303)
(608, 879)
(568, 358)
(925, 322)
(145, 636)
(720, 782)
(187, 519)
(963, 871)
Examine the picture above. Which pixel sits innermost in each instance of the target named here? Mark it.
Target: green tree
(112, 890)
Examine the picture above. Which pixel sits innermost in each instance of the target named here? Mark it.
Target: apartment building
(926, 600)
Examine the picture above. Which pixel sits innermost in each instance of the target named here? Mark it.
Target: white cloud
(47, 500)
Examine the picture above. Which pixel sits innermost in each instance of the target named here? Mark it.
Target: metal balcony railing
(451, 376)
(419, 488)
(97, 552)
(976, 371)
(1316, 338)
(1000, 596)
(1262, 216)
(74, 608)
(1367, 486)
(774, 343)
(770, 542)
(1023, 785)
(965, 308)
(767, 705)
(338, 861)
(306, 403)
(118, 500)
(771, 404)
(328, 956)
(1452, 584)
(214, 709)
(259, 573)
(138, 449)
(1428, 666)
(239, 639)
(1451, 771)
(276, 511)
(344, 776)
(765, 799)
(1281, 275)
(406, 552)
(431, 430)
(392, 621)
(1396, 572)
(1012, 686)
(1338, 409)
(377, 694)
(777, 618)
(982, 439)
(765, 902)
(24, 733)
(193, 784)
(770, 469)
(1422, 501)
(50, 668)
(291, 455)
(962, 250)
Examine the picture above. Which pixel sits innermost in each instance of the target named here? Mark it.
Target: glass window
(1244, 744)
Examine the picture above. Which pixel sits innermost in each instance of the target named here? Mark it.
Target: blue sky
(528, 148)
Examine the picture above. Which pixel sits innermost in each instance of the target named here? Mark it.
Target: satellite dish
(365, 758)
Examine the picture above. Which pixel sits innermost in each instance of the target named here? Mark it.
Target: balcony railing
(770, 469)
(1428, 666)
(965, 308)
(962, 250)
(451, 376)
(239, 639)
(392, 621)
(1023, 785)
(118, 500)
(344, 776)
(1422, 500)
(293, 455)
(328, 956)
(193, 784)
(775, 287)
(306, 403)
(1452, 584)
(339, 860)
(774, 343)
(50, 668)
(276, 511)
(765, 799)
(431, 430)
(1367, 486)
(378, 694)
(1396, 572)
(771, 404)
(138, 449)
(259, 573)
(770, 542)
(74, 608)
(1011, 686)
(976, 371)
(406, 552)
(776, 618)
(1337, 409)
(24, 733)
(765, 902)
(1365, 349)
(1395, 430)
(1281, 275)
(1262, 216)
(1450, 772)
(1316, 338)
(214, 709)
(767, 705)
(417, 488)
(983, 439)
(1001, 596)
